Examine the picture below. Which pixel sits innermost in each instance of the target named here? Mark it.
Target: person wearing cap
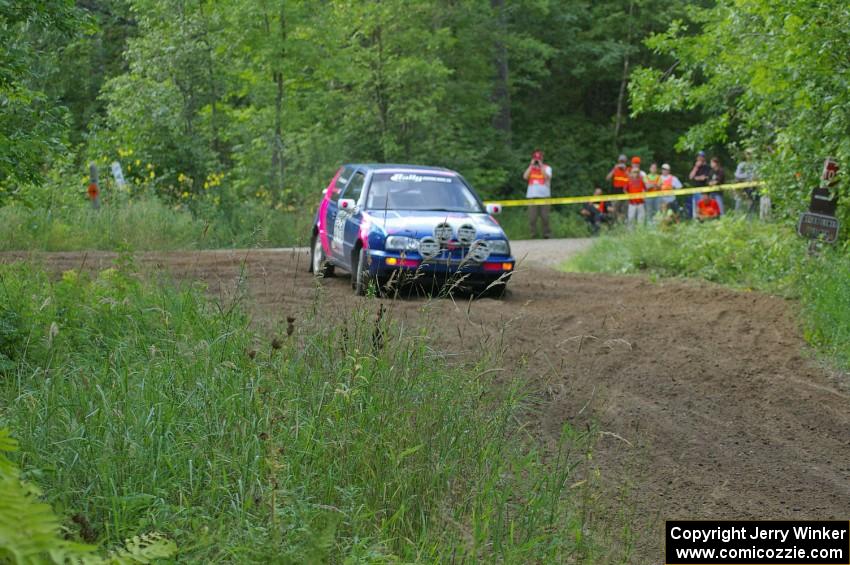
(669, 182)
(618, 176)
(539, 177)
(746, 172)
(699, 177)
(637, 206)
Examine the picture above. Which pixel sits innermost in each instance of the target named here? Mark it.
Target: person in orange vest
(618, 176)
(596, 213)
(707, 207)
(539, 177)
(637, 206)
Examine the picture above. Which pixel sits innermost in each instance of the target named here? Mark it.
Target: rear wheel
(319, 264)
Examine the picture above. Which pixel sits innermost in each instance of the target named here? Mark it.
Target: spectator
(618, 176)
(637, 208)
(716, 177)
(539, 177)
(595, 213)
(636, 163)
(745, 172)
(653, 184)
(667, 216)
(707, 208)
(699, 177)
(669, 182)
(764, 206)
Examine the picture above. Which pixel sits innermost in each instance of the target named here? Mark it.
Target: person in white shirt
(539, 177)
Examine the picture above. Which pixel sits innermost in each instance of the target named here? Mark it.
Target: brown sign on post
(830, 172)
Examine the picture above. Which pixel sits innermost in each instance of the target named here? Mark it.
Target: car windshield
(420, 191)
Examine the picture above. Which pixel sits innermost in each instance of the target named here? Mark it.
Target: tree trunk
(380, 93)
(278, 165)
(501, 88)
(621, 98)
(216, 140)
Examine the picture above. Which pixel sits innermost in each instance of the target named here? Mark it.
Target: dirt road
(708, 401)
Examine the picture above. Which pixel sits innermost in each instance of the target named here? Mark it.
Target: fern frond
(143, 549)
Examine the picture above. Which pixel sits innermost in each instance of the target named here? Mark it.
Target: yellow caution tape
(613, 197)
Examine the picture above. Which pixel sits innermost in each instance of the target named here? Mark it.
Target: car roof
(401, 168)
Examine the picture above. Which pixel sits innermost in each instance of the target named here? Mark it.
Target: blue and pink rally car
(403, 224)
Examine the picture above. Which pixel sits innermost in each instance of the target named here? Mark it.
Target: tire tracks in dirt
(711, 403)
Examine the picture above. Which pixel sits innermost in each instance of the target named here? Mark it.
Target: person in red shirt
(707, 208)
(637, 207)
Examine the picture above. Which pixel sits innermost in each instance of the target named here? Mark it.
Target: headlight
(401, 243)
(499, 247)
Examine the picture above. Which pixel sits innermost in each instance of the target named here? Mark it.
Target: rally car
(407, 225)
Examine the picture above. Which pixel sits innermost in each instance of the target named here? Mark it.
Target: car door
(330, 208)
(346, 224)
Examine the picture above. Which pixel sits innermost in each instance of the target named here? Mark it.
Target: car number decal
(339, 230)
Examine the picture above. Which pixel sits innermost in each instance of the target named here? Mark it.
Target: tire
(495, 291)
(319, 264)
(360, 278)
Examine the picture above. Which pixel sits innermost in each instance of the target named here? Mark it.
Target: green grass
(742, 254)
(141, 406)
(148, 225)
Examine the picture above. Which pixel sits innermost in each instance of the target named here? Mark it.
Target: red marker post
(94, 189)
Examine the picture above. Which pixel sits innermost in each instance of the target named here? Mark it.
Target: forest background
(229, 117)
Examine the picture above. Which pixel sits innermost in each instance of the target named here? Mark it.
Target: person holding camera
(539, 177)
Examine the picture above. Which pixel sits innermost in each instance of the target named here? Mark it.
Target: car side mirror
(347, 204)
(493, 209)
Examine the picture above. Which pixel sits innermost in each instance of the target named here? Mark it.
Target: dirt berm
(709, 404)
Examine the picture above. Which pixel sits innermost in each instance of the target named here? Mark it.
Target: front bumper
(384, 264)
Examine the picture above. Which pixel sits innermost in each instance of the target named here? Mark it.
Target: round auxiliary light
(428, 247)
(443, 233)
(466, 234)
(479, 251)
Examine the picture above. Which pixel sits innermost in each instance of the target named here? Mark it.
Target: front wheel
(496, 290)
(360, 277)
(319, 264)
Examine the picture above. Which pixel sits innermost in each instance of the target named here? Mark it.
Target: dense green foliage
(770, 75)
(139, 405)
(215, 103)
(219, 105)
(743, 254)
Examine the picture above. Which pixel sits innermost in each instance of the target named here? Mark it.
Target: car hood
(421, 223)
